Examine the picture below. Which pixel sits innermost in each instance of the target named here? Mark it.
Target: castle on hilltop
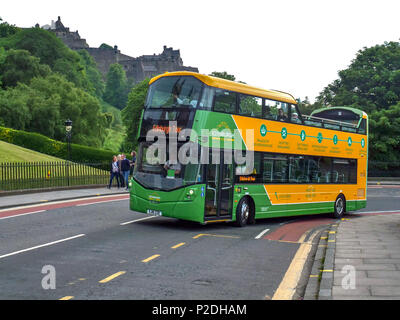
(138, 68)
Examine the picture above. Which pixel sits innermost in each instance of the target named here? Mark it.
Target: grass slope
(22, 168)
(12, 153)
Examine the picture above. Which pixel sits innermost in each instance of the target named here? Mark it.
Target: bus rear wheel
(243, 212)
(340, 206)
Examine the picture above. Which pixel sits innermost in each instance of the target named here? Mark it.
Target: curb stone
(319, 286)
(325, 288)
(62, 199)
(312, 289)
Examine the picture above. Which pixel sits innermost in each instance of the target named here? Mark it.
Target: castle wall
(138, 68)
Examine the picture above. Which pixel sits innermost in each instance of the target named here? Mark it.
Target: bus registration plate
(154, 212)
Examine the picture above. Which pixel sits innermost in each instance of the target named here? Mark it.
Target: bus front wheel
(243, 212)
(340, 206)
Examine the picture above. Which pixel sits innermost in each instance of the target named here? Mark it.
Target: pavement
(10, 201)
(358, 258)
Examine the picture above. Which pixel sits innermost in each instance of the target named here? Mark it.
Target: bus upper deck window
(362, 129)
(225, 101)
(206, 98)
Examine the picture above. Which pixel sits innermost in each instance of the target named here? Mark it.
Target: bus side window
(271, 111)
(344, 171)
(362, 129)
(225, 101)
(250, 106)
(297, 170)
(313, 170)
(294, 116)
(280, 172)
(206, 98)
(325, 165)
(275, 110)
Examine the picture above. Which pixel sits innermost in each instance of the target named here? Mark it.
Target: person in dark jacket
(120, 176)
(114, 171)
(133, 162)
(125, 168)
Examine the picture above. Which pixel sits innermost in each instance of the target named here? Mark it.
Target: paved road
(105, 251)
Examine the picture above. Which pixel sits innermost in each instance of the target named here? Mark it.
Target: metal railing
(40, 175)
(330, 124)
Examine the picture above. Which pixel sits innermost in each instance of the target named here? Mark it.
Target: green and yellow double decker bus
(300, 164)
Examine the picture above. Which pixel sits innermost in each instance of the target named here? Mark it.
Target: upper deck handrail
(330, 121)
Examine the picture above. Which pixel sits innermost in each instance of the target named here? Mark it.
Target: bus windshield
(164, 176)
(170, 92)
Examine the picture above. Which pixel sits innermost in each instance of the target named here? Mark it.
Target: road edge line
(288, 285)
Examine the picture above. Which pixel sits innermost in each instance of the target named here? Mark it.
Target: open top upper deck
(339, 118)
(171, 89)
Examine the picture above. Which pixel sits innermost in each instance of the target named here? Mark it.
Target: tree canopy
(19, 66)
(372, 83)
(132, 112)
(44, 104)
(117, 86)
(223, 75)
(43, 83)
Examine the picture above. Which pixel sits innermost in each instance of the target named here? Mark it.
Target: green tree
(84, 110)
(306, 107)
(20, 66)
(372, 83)
(132, 112)
(385, 134)
(3, 56)
(52, 51)
(223, 75)
(14, 109)
(7, 29)
(92, 72)
(105, 46)
(46, 103)
(116, 86)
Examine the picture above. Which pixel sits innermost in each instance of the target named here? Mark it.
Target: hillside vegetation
(43, 83)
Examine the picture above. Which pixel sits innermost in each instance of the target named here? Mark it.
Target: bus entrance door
(219, 190)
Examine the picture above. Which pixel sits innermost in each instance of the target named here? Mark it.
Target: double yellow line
(287, 287)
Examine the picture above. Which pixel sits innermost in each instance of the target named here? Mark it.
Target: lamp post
(68, 131)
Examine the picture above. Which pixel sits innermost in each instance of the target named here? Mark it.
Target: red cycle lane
(293, 231)
(24, 210)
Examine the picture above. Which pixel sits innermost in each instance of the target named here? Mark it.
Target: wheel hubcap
(339, 206)
(245, 211)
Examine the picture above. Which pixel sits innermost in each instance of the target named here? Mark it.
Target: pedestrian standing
(120, 177)
(125, 167)
(133, 162)
(114, 171)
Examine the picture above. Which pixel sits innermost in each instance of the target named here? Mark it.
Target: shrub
(43, 144)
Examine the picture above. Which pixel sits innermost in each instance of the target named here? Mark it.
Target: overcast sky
(292, 46)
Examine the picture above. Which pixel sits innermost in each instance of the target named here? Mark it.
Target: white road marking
(128, 222)
(387, 211)
(62, 201)
(22, 214)
(98, 202)
(41, 246)
(261, 234)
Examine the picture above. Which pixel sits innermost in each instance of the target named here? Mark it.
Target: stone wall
(138, 68)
